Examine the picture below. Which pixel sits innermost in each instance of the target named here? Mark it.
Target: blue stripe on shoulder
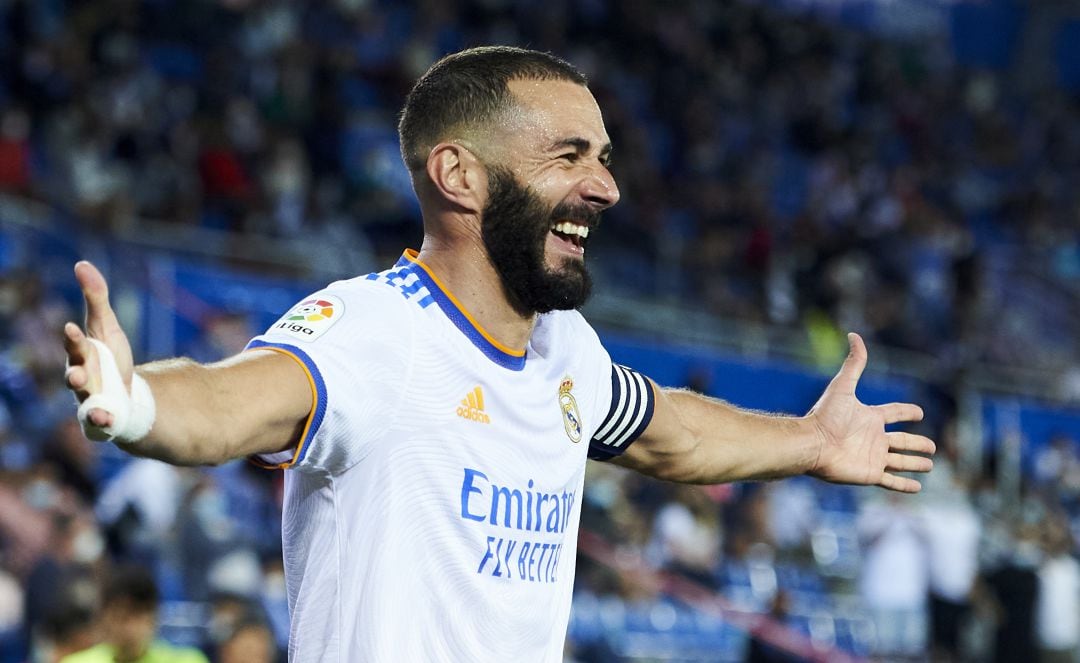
(320, 390)
(506, 360)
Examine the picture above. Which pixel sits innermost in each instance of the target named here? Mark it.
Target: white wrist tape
(133, 414)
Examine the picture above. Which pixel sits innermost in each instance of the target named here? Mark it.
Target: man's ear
(458, 176)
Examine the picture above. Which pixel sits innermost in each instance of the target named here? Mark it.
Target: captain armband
(632, 403)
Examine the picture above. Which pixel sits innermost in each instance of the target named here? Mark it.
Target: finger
(899, 484)
(83, 372)
(905, 463)
(99, 315)
(848, 376)
(100, 418)
(900, 441)
(895, 412)
(75, 344)
(76, 379)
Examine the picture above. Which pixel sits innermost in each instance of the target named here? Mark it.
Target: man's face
(547, 186)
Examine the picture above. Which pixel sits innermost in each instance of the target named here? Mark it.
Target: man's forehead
(553, 110)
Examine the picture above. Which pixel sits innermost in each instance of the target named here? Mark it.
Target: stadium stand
(790, 170)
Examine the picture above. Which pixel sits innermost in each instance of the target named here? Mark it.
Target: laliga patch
(310, 319)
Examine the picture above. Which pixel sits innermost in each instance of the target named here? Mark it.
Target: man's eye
(572, 157)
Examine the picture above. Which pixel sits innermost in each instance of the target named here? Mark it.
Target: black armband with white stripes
(632, 402)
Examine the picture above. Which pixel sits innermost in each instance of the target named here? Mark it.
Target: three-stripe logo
(472, 407)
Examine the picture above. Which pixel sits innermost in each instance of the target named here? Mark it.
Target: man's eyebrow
(581, 145)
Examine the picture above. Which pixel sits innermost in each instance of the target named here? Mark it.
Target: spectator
(1057, 615)
(1014, 587)
(953, 532)
(62, 587)
(895, 576)
(129, 614)
(248, 641)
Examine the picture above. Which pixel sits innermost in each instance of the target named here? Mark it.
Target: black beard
(514, 226)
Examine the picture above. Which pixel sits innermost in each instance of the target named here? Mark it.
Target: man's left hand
(855, 447)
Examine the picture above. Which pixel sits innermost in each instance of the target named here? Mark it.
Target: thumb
(101, 321)
(848, 377)
(100, 318)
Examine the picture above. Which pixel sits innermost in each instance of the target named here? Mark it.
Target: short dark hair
(132, 585)
(469, 88)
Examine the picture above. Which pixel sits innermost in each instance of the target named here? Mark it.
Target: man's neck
(465, 270)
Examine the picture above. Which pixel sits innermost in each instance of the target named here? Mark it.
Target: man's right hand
(83, 373)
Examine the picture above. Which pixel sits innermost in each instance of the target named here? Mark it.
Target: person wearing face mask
(62, 587)
(128, 624)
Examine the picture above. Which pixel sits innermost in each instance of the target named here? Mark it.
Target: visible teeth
(568, 228)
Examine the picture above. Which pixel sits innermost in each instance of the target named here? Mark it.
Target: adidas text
(473, 414)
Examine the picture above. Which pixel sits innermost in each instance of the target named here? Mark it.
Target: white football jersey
(431, 510)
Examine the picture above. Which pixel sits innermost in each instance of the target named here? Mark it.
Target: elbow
(679, 464)
(202, 451)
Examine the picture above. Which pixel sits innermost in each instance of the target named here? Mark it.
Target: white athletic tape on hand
(133, 415)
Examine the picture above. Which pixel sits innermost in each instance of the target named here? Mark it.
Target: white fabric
(895, 573)
(133, 414)
(1058, 607)
(432, 513)
(953, 532)
(152, 487)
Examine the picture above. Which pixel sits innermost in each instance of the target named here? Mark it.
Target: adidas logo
(472, 407)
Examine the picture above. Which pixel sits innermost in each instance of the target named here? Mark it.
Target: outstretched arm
(255, 402)
(696, 439)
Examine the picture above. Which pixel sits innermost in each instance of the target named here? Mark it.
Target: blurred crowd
(955, 573)
(98, 548)
(772, 169)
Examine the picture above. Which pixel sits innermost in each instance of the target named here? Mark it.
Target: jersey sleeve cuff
(287, 459)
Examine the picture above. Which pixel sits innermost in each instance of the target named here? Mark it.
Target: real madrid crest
(571, 416)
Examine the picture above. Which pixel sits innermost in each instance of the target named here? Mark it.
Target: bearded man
(436, 417)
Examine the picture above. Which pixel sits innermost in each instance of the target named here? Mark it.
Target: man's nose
(599, 188)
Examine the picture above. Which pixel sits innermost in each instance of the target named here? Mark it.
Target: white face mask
(274, 586)
(1027, 554)
(209, 509)
(40, 494)
(87, 546)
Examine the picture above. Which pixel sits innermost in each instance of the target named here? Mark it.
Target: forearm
(187, 403)
(704, 440)
(695, 439)
(209, 414)
(735, 444)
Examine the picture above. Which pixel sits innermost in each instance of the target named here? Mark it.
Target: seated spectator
(129, 622)
(248, 641)
(62, 586)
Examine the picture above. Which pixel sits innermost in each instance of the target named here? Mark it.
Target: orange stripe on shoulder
(310, 418)
(412, 255)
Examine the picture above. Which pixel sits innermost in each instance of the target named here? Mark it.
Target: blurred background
(790, 170)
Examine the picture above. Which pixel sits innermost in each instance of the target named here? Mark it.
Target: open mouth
(571, 233)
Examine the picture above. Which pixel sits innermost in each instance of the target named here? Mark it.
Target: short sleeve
(628, 415)
(354, 342)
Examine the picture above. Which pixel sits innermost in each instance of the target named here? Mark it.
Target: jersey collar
(501, 354)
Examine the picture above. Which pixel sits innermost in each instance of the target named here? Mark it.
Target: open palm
(855, 447)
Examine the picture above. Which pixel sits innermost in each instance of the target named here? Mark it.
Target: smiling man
(436, 417)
